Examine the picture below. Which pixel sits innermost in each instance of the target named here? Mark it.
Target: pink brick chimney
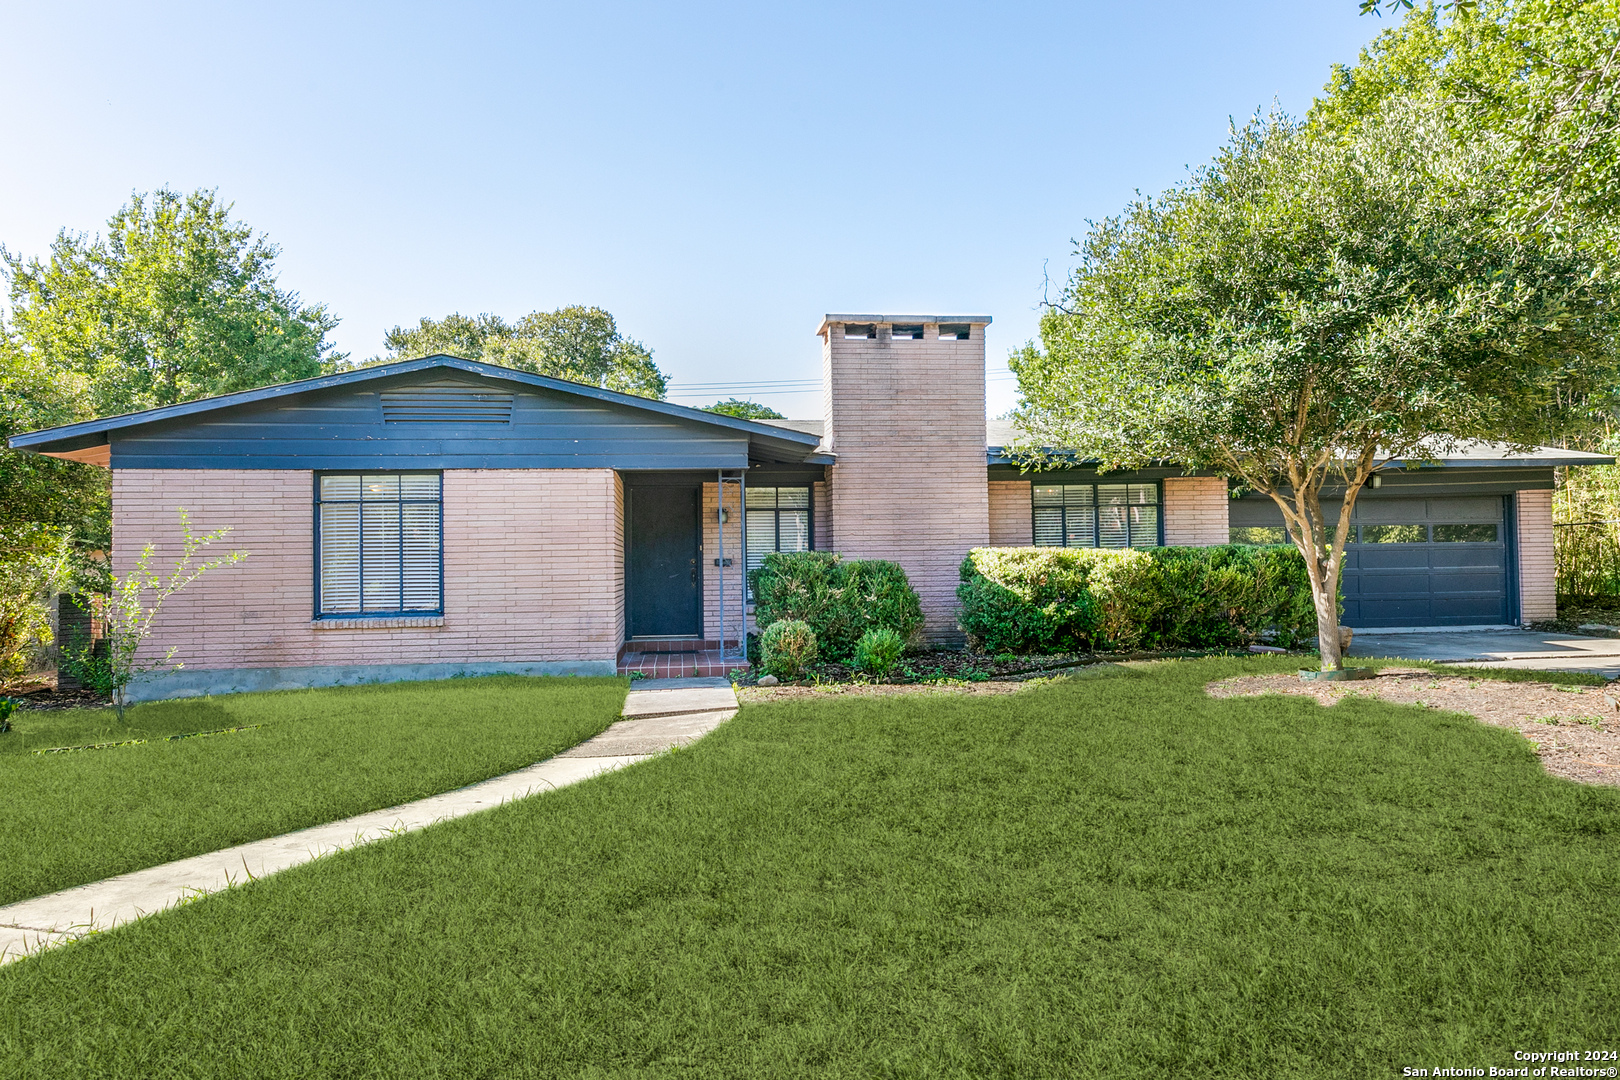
(904, 398)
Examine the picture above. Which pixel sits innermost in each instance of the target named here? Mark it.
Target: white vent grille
(446, 405)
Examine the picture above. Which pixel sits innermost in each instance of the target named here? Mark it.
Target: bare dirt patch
(1575, 729)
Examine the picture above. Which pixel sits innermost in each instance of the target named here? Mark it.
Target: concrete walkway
(1496, 648)
(659, 714)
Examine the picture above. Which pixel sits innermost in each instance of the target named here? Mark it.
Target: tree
(744, 410)
(65, 495)
(1537, 79)
(36, 562)
(132, 603)
(1308, 308)
(581, 344)
(178, 302)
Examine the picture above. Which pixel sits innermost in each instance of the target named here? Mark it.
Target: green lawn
(318, 755)
(1113, 876)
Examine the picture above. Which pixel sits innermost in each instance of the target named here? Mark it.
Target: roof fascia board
(103, 425)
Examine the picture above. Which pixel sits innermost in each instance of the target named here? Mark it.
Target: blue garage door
(1427, 562)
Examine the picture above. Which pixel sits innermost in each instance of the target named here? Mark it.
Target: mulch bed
(41, 693)
(1575, 729)
(1571, 618)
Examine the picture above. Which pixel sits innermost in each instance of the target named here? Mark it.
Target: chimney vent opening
(954, 331)
(912, 331)
(860, 330)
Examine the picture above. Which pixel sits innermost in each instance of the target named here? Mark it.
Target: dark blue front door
(665, 565)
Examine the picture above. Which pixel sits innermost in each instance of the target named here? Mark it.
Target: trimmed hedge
(840, 598)
(1076, 599)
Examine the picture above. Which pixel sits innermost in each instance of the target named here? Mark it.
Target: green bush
(879, 651)
(788, 646)
(840, 598)
(1071, 599)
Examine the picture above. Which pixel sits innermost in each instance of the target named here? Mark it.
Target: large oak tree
(1311, 306)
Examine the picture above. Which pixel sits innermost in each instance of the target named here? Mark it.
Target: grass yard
(1111, 876)
(318, 755)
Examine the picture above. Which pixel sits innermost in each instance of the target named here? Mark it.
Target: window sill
(385, 623)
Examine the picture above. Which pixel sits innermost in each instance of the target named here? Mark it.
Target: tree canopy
(581, 344)
(1537, 80)
(177, 301)
(1313, 304)
(744, 410)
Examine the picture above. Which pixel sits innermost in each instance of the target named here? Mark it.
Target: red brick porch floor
(676, 665)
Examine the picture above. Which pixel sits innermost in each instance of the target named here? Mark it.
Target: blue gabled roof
(88, 433)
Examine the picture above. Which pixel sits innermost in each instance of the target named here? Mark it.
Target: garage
(1432, 561)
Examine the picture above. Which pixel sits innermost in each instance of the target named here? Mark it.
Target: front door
(666, 570)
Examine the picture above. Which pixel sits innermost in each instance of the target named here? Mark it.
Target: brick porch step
(705, 663)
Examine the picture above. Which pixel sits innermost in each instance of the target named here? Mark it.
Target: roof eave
(69, 433)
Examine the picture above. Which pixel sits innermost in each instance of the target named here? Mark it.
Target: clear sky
(717, 176)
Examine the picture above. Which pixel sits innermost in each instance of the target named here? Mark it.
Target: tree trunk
(1327, 619)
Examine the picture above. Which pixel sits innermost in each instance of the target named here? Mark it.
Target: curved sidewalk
(658, 714)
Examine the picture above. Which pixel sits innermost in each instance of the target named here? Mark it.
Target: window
(1465, 534)
(778, 520)
(1258, 534)
(1394, 534)
(380, 539)
(1096, 515)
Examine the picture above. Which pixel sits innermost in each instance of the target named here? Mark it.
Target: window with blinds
(778, 520)
(1096, 515)
(380, 542)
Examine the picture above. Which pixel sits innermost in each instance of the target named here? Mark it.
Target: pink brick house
(439, 516)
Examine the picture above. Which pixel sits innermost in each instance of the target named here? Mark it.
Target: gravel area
(1575, 729)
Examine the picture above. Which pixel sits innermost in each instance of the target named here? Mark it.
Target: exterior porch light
(1376, 481)
(725, 515)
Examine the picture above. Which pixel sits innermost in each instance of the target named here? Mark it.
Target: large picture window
(379, 540)
(778, 520)
(1096, 515)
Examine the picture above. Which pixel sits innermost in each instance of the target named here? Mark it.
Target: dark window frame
(317, 502)
(776, 517)
(1096, 517)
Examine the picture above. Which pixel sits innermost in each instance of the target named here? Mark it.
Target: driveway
(1497, 648)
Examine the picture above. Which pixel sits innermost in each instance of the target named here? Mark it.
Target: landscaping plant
(788, 647)
(132, 604)
(1045, 600)
(879, 651)
(840, 598)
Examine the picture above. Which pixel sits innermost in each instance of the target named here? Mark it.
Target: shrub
(788, 646)
(879, 651)
(1068, 599)
(840, 598)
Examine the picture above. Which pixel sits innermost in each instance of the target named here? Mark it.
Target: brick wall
(821, 518)
(1011, 520)
(1195, 511)
(533, 570)
(1537, 598)
(906, 419)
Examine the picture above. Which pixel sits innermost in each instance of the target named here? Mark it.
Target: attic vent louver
(446, 405)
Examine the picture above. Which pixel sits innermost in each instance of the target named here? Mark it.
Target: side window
(379, 543)
(1096, 515)
(778, 520)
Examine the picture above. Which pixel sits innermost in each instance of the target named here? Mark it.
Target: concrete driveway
(1496, 648)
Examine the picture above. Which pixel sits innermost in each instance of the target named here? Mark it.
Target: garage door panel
(1483, 609)
(1395, 583)
(1394, 557)
(1449, 557)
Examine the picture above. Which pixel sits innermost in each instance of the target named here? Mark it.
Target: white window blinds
(1096, 515)
(380, 541)
(778, 520)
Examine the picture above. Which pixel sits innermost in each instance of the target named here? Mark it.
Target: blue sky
(717, 176)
